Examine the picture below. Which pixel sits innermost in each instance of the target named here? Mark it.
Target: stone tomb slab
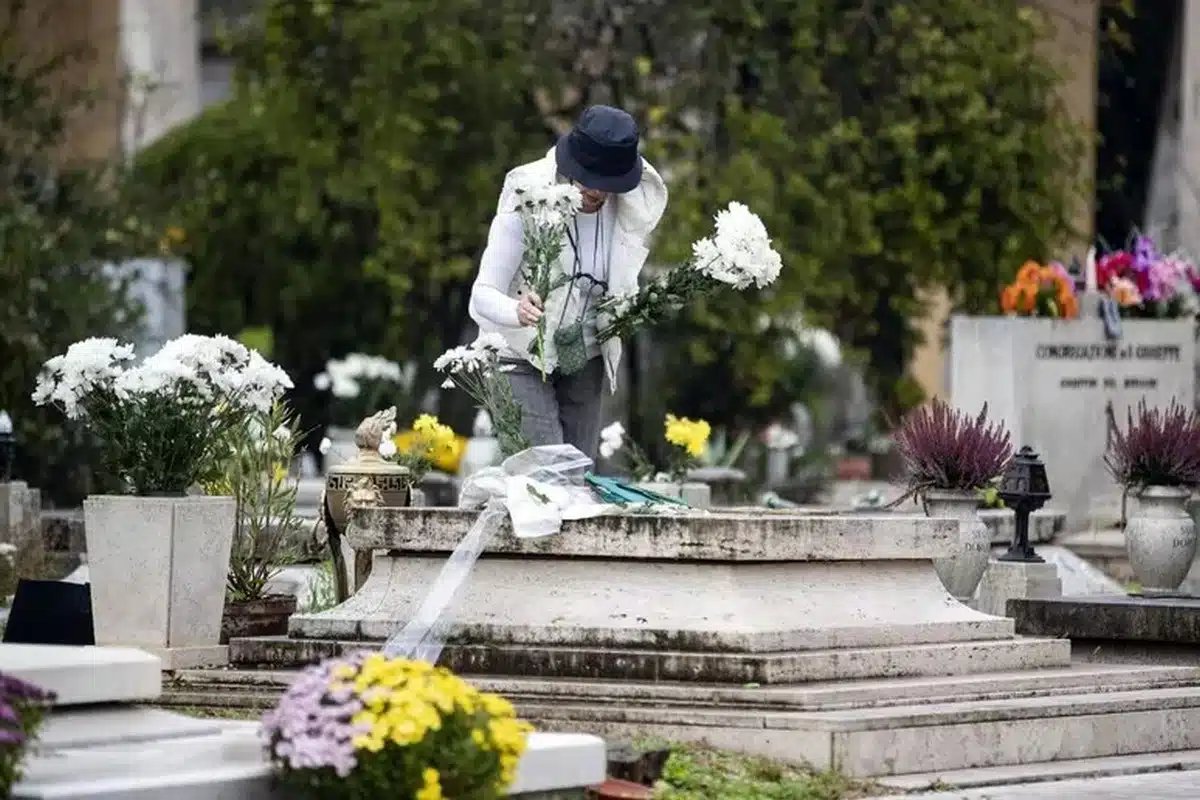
(719, 597)
(85, 675)
(1126, 618)
(1050, 381)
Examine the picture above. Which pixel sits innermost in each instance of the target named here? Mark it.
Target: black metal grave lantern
(1024, 488)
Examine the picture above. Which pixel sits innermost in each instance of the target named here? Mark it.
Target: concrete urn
(961, 573)
(368, 470)
(1160, 537)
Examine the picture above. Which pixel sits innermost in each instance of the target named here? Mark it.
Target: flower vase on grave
(368, 472)
(158, 554)
(962, 572)
(1160, 538)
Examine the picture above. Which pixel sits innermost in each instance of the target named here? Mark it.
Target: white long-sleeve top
(635, 215)
(587, 252)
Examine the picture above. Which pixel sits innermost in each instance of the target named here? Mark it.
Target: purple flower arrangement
(1157, 448)
(1146, 282)
(372, 726)
(23, 706)
(947, 450)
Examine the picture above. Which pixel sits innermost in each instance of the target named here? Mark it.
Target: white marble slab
(82, 675)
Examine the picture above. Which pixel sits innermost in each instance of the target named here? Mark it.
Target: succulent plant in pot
(1156, 459)
(949, 456)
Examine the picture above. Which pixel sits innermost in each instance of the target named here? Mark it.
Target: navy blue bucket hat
(601, 151)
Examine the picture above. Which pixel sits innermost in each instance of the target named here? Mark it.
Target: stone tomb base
(828, 640)
(719, 598)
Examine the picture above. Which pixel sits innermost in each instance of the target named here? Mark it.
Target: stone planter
(266, 616)
(1160, 538)
(961, 573)
(157, 567)
(696, 495)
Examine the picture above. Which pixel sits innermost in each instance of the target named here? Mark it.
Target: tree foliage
(61, 222)
(343, 195)
(892, 148)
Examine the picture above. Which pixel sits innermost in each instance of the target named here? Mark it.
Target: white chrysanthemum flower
(612, 439)
(387, 448)
(88, 365)
(322, 382)
(777, 437)
(739, 253)
(548, 205)
(464, 359)
(324, 446)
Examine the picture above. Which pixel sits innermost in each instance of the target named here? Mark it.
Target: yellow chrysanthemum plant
(426, 445)
(689, 440)
(373, 726)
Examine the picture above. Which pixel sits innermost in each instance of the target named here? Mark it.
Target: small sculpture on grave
(373, 431)
(368, 479)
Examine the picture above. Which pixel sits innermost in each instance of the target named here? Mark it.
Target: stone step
(916, 739)
(947, 658)
(258, 688)
(230, 764)
(1083, 768)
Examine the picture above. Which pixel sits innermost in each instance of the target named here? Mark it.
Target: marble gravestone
(1051, 381)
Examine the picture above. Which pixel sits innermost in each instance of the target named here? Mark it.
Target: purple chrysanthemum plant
(948, 450)
(1159, 447)
(23, 706)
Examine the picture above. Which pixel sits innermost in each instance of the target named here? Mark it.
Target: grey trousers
(565, 409)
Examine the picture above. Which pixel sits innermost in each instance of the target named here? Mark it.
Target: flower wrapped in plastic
(162, 424)
(738, 255)
(373, 726)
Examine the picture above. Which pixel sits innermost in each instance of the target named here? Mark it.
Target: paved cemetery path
(1157, 786)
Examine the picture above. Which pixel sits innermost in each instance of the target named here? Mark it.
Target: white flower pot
(1160, 538)
(157, 567)
(696, 495)
(961, 572)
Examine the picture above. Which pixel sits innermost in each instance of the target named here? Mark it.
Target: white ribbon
(539, 489)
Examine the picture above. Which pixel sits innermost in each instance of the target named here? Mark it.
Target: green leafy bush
(61, 225)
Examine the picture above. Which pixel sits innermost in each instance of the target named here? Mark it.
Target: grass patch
(701, 773)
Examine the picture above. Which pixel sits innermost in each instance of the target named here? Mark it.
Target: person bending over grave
(623, 200)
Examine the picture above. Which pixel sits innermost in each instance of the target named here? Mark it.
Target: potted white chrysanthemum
(157, 555)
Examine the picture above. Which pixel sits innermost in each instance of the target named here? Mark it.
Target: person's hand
(529, 309)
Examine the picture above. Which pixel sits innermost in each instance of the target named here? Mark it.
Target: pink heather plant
(947, 450)
(23, 706)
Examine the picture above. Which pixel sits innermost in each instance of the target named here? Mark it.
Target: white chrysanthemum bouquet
(546, 211)
(476, 369)
(738, 255)
(162, 425)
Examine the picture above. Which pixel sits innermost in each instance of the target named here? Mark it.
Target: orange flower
(1125, 292)
(1048, 275)
(1068, 306)
(1027, 298)
(1008, 299)
(1029, 272)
